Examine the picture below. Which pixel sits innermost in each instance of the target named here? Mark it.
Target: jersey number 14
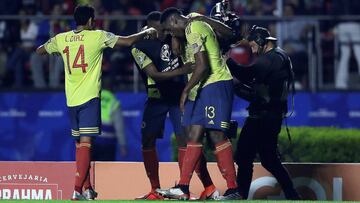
(80, 55)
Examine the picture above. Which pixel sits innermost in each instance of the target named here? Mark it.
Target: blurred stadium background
(321, 36)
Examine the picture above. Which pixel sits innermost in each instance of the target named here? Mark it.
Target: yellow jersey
(82, 53)
(201, 37)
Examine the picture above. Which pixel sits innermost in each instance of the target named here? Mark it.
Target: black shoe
(231, 194)
(295, 196)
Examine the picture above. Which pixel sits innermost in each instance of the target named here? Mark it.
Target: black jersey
(159, 53)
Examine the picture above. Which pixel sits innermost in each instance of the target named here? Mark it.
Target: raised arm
(221, 30)
(131, 39)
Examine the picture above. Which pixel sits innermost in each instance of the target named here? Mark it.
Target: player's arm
(152, 72)
(200, 70)
(194, 36)
(223, 31)
(41, 50)
(146, 64)
(48, 48)
(131, 39)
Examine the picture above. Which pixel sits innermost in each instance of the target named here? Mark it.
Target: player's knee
(87, 139)
(196, 134)
(217, 136)
(181, 140)
(148, 141)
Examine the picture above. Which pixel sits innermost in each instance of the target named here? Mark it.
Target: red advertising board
(314, 181)
(36, 180)
(125, 181)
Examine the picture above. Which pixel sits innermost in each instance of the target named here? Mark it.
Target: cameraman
(268, 79)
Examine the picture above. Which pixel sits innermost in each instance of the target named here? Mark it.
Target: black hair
(260, 35)
(168, 12)
(83, 13)
(153, 16)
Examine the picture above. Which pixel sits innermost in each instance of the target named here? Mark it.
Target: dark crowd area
(21, 68)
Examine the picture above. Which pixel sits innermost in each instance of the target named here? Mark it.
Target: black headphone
(258, 35)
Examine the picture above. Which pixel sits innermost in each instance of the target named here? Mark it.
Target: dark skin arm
(131, 39)
(222, 30)
(153, 73)
(41, 50)
(201, 68)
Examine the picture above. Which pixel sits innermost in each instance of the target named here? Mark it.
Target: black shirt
(269, 76)
(161, 56)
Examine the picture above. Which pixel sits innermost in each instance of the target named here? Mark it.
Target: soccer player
(82, 50)
(161, 71)
(206, 101)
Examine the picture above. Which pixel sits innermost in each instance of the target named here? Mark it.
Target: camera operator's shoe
(210, 193)
(77, 196)
(294, 197)
(90, 194)
(174, 193)
(231, 194)
(152, 195)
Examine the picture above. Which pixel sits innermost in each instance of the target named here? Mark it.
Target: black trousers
(260, 136)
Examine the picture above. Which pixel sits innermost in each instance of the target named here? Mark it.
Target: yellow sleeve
(108, 39)
(51, 46)
(141, 59)
(194, 37)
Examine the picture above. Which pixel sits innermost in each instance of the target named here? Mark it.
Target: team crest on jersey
(165, 53)
(110, 35)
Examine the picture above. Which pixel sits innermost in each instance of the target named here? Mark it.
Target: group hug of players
(186, 77)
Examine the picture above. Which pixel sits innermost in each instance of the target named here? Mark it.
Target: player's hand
(151, 33)
(183, 99)
(187, 68)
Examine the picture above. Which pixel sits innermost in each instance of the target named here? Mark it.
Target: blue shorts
(212, 106)
(155, 113)
(85, 119)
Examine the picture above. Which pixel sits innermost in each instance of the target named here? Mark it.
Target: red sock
(225, 161)
(202, 171)
(83, 156)
(192, 156)
(77, 160)
(87, 183)
(151, 164)
(181, 155)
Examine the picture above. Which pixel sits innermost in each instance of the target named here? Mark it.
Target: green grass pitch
(172, 201)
